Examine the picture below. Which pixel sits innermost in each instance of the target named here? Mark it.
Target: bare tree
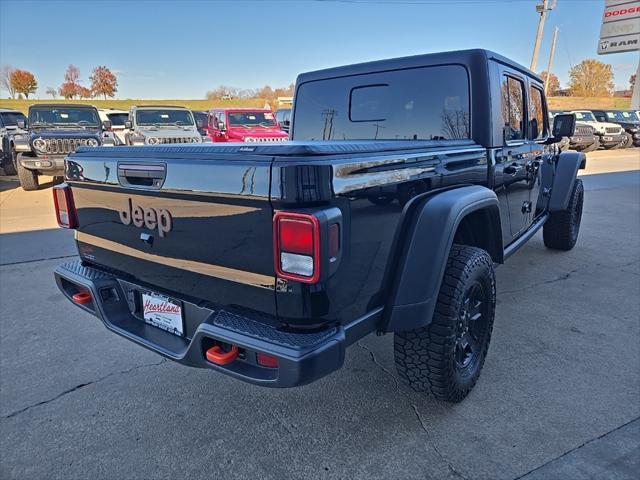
(51, 91)
(5, 79)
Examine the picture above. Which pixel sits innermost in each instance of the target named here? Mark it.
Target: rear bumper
(302, 357)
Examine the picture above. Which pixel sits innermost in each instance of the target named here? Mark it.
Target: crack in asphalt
(577, 448)
(561, 278)
(423, 424)
(82, 385)
(37, 260)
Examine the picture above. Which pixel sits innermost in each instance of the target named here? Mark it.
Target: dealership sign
(620, 31)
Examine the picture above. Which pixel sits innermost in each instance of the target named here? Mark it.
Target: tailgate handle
(141, 174)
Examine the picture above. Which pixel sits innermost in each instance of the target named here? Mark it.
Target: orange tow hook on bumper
(217, 356)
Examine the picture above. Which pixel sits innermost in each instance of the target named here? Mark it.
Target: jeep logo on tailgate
(147, 217)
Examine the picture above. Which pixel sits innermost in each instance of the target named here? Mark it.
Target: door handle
(512, 169)
(141, 175)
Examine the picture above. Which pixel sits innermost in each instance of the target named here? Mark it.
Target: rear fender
(429, 229)
(567, 168)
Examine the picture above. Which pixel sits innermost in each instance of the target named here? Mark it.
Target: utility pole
(550, 65)
(542, 9)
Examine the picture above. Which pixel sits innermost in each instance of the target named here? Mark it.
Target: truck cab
(244, 125)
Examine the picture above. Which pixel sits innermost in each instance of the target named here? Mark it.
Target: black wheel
(9, 162)
(28, 178)
(628, 142)
(445, 357)
(380, 199)
(561, 230)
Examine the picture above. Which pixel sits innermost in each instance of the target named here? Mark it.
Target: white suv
(117, 119)
(611, 135)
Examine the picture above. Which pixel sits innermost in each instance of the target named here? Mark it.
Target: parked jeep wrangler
(249, 125)
(9, 130)
(159, 125)
(266, 261)
(610, 135)
(54, 131)
(626, 120)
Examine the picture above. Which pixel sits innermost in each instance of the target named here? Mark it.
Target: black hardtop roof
(62, 105)
(282, 149)
(457, 56)
(160, 106)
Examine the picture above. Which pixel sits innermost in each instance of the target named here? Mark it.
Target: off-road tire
(628, 143)
(9, 162)
(28, 178)
(560, 232)
(427, 358)
(592, 148)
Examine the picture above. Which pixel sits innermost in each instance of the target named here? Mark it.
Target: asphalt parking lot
(558, 397)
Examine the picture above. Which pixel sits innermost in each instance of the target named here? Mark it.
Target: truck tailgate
(181, 222)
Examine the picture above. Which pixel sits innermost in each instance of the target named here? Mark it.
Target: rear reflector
(297, 246)
(267, 360)
(66, 213)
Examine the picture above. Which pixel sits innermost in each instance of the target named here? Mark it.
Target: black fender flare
(418, 265)
(567, 167)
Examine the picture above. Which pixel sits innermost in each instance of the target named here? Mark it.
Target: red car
(244, 125)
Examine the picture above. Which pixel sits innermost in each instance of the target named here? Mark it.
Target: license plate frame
(163, 312)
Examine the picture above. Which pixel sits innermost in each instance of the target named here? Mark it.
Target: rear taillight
(297, 246)
(65, 208)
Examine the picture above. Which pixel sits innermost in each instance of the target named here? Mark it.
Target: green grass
(555, 103)
(23, 105)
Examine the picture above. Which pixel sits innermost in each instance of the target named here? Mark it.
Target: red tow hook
(217, 356)
(82, 298)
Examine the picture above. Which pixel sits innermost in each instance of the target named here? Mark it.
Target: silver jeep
(158, 125)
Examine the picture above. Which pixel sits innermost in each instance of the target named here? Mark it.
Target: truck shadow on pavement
(556, 377)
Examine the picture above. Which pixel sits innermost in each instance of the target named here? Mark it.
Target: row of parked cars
(607, 129)
(37, 144)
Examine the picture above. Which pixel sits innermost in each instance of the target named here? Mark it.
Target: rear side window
(428, 103)
(537, 127)
(513, 108)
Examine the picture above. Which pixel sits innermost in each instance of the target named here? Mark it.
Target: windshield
(252, 119)
(40, 116)
(12, 118)
(163, 117)
(622, 116)
(585, 116)
(118, 119)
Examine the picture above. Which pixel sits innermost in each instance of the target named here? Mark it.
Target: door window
(513, 108)
(537, 117)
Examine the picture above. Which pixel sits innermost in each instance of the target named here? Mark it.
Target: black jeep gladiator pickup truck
(265, 262)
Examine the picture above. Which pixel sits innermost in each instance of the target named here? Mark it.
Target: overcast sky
(181, 49)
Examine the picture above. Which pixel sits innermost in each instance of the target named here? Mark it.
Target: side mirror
(106, 125)
(221, 126)
(564, 125)
(128, 124)
(22, 124)
(286, 123)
